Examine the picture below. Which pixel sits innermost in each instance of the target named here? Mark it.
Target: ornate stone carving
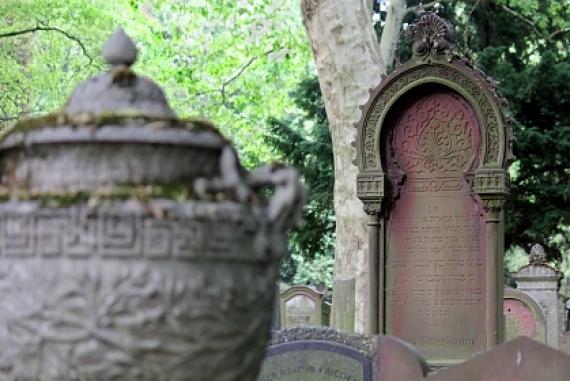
(370, 186)
(436, 135)
(372, 208)
(431, 34)
(458, 73)
(165, 286)
(491, 182)
(370, 189)
(537, 255)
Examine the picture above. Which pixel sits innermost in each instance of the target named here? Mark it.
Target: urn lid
(116, 130)
(119, 90)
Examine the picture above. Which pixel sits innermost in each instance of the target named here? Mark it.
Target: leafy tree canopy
(233, 62)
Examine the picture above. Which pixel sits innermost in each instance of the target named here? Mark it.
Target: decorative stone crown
(120, 90)
(432, 36)
(537, 255)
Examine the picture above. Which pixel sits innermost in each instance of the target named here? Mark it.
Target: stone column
(540, 280)
(494, 216)
(370, 189)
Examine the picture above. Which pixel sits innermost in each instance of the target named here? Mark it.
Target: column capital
(370, 190)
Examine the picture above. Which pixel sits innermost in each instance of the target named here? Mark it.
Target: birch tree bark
(349, 61)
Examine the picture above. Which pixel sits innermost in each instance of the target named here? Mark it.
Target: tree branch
(46, 28)
(466, 31)
(235, 76)
(416, 8)
(524, 19)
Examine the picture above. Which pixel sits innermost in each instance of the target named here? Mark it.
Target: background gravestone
(324, 354)
(432, 148)
(303, 305)
(342, 318)
(522, 359)
(523, 316)
(541, 281)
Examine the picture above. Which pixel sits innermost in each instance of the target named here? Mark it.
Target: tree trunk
(349, 63)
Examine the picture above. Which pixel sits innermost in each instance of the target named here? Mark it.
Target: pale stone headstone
(522, 359)
(303, 305)
(541, 281)
(343, 317)
(523, 316)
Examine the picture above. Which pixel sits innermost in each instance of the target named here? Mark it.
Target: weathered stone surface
(541, 282)
(523, 316)
(321, 354)
(435, 262)
(134, 245)
(397, 360)
(318, 354)
(432, 147)
(303, 305)
(343, 317)
(522, 359)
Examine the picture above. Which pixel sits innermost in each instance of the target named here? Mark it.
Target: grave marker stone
(541, 281)
(523, 316)
(522, 359)
(303, 305)
(432, 148)
(324, 354)
(343, 317)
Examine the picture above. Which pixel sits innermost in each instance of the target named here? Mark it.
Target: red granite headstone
(435, 262)
(433, 145)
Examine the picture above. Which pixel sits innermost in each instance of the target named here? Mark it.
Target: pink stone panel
(519, 318)
(435, 261)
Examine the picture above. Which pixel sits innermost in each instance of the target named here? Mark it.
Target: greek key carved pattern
(489, 122)
(75, 234)
(118, 294)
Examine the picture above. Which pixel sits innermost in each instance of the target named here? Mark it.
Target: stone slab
(343, 310)
(523, 316)
(323, 354)
(303, 305)
(522, 359)
(315, 360)
(435, 264)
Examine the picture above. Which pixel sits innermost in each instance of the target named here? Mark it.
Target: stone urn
(133, 245)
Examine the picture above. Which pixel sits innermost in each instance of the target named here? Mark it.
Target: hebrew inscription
(435, 263)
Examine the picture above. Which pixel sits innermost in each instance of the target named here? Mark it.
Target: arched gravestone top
(302, 305)
(522, 359)
(434, 62)
(523, 316)
(324, 354)
(433, 145)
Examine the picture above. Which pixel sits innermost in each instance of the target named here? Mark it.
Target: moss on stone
(62, 119)
(175, 192)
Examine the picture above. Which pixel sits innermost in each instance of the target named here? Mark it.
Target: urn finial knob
(120, 49)
(537, 254)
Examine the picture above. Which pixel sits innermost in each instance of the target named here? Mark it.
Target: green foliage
(523, 45)
(303, 141)
(233, 62)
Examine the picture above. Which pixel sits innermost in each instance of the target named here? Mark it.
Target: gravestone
(522, 359)
(432, 147)
(324, 354)
(541, 281)
(523, 316)
(343, 317)
(303, 305)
